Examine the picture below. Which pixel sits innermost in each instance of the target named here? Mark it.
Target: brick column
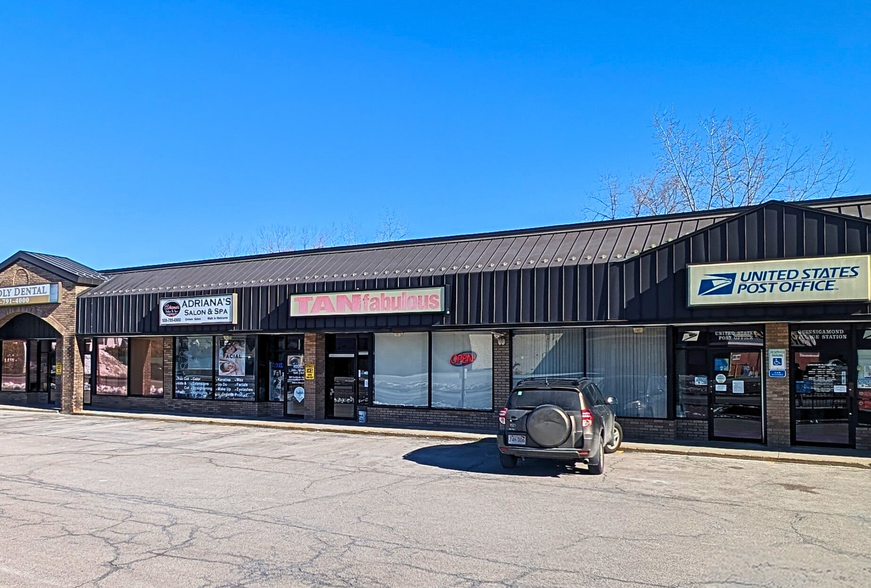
(71, 379)
(315, 390)
(502, 377)
(777, 406)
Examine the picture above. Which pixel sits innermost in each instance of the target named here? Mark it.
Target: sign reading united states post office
(199, 310)
(782, 281)
(30, 294)
(398, 301)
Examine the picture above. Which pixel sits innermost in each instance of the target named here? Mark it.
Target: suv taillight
(502, 414)
(586, 418)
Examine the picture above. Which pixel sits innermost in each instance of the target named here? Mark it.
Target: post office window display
(14, 368)
(194, 367)
(401, 369)
(112, 362)
(235, 360)
(630, 365)
(462, 370)
(146, 367)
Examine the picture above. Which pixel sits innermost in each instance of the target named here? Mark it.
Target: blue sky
(141, 132)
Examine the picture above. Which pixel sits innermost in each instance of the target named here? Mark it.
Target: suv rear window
(529, 399)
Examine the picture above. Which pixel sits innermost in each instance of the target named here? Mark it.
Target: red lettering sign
(464, 358)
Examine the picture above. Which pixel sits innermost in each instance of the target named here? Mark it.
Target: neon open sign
(464, 358)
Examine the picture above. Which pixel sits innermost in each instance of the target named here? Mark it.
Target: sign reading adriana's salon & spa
(782, 281)
(410, 300)
(30, 294)
(198, 310)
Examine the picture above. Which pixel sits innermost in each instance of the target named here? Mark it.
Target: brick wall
(23, 398)
(315, 353)
(648, 429)
(777, 408)
(863, 438)
(691, 430)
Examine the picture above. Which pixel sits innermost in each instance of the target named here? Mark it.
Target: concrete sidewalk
(813, 456)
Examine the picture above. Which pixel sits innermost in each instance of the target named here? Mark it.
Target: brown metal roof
(579, 244)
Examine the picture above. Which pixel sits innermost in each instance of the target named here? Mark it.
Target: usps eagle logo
(717, 284)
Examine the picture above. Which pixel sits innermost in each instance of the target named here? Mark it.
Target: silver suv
(567, 420)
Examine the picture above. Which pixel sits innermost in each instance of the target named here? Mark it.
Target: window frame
(214, 372)
(140, 394)
(429, 406)
(96, 369)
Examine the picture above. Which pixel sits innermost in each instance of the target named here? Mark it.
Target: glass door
(735, 385)
(87, 371)
(341, 376)
(822, 386)
(46, 369)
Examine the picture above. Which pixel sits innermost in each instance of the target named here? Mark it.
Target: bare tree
(392, 227)
(312, 237)
(348, 233)
(279, 238)
(230, 246)
(726, 163)
(273, 239)
(607, 200)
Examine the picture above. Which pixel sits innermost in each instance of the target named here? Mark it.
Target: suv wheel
(598, 468)
(509, 462)
(616, 439)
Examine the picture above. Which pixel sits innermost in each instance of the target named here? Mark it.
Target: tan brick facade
(62, 317)
(777, 404)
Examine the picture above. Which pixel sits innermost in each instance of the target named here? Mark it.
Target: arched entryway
(29, 349)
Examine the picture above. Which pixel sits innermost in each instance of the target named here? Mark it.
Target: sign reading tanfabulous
(399, 301)
(782, 281)
(30, 294)
(220, 309)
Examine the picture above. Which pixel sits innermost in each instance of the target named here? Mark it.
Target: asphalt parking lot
(88, 501)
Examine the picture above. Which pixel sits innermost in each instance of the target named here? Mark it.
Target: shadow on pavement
(483, 457)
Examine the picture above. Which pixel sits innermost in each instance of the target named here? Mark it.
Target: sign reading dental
(782, 281)
(31, 294)
(198, 310)
(368, 302)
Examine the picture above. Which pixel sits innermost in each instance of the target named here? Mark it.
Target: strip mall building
(748, 324)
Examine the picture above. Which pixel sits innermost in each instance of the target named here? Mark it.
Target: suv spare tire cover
(549, 425)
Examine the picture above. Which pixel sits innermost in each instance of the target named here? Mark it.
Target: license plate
(516, 439)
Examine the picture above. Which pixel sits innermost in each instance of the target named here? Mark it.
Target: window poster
(276, 380)
(295, 370)
(231, 358)
(235, 369)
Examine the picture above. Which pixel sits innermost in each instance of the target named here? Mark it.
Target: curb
(307, 427)
(859, 462)
(753, 455)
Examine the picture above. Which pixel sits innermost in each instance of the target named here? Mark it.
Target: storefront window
(112, 366)
(194, 367)
(235, 360)
(146, 367)
(821, 380)
(401, 369)
(691, 369)
(14, 367)
(548, 353)
(462, 370)
(629, 364)
(33, 371)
